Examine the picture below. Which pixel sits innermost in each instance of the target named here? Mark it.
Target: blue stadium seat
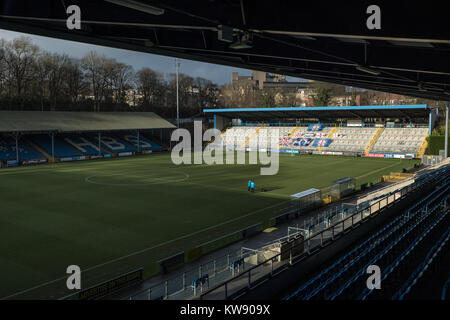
(82, 144)
(387, 243)
(145, 143)
(111, 143)
(8, 150)
(402, 140)
(62, 148)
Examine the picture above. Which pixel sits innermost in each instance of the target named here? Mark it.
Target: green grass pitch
(113, 215)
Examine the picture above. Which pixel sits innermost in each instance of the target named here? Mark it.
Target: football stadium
(142, 184)
(109, 212)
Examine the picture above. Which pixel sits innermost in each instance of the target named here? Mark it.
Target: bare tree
(186, 89)
(207, 92)
(121, 77)
(57, 66)
(151, 84)
(3, 66)
(93, 66)
(38, 80)
(75, 84)
(42, 75)
(20, 55)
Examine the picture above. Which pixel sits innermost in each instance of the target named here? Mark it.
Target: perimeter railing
(253, 275)
(331, 124)
(196, 280)
(228, 275)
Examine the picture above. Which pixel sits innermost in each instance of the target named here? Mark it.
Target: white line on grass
(162, 180)
(377, 170)
(173, 240)
(145, 250)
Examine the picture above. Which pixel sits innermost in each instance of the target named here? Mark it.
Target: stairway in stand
(374, 140)
(329, 136)
(247, 139)
(423, 148)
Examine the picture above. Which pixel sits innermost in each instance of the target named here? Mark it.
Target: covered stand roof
(343, 180)
(413, 112)
(38, 121)
(408, 53)
(304, 193)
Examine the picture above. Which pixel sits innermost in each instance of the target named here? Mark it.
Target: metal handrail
(409, 189)
(377, 206)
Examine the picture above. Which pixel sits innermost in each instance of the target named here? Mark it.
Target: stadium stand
(433, 258)
(8, 150)
(110, 143)
(351, 139)
(61, 148)
(445, 290)
(39, 146)
(240, 136)
(398, 140)
(398, 131)
(415, 218)
(397, 248)
(132, 138)
(69, 136)
(304, 138)
(327, 138)
(82, 144)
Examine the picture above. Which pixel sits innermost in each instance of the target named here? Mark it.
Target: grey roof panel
(36, 121)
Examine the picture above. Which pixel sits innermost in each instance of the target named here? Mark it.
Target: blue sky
(217, 73)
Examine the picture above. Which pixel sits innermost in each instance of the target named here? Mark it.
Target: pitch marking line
(144, 250)
(162, 180)
(169, 241)
(366, 174)
(377, 170)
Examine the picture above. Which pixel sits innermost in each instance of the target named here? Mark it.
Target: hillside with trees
(33, 79)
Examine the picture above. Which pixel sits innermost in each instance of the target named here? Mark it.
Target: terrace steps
(222, 136)
(39, 150)
(332, 132)
(247, 139)
(397, 176)
(291, 133)
(94, 141)
(330, 135)
(422, 149)
(374, 140)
